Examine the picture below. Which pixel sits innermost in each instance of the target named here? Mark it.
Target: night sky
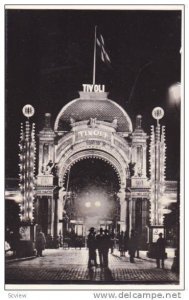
(49, 55)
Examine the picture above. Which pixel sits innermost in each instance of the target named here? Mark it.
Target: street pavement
(68, 266)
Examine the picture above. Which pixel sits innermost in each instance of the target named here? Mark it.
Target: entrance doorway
(91, 200)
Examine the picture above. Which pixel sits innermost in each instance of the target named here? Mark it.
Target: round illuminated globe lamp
(158, 113)
(28, 110)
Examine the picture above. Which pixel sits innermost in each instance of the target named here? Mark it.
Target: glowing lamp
(97, 204)
(175, 93)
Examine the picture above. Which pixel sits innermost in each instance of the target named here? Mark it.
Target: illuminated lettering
(84, 87)
(96, 132)
(97, 88)
(90, 88)
(92, 133)
(80, 133)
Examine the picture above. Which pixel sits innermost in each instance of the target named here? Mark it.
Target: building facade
(92, 169)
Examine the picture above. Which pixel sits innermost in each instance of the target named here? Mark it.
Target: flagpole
(94, 58)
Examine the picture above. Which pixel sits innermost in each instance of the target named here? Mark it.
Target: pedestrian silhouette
(137, 244)
(160, 251)
(40, 242)
(122, 244)
(113, 240)
(132, 246)
(106, 247)
(91, 244)
(126, 241)
(99, 243)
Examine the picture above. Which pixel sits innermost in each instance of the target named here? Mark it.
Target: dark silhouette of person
(126, 241)
(73, 237)
(40, 242)
(132, 246)
(100, 241)
(112, 238)
(137, 244)
(122, 244)
(106, 247)
(160, 251)
(14, 239)
(91, 244)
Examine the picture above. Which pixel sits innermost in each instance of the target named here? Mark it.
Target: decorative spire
(47, 121)
(157, 168)
(138, 122)
(27, 170)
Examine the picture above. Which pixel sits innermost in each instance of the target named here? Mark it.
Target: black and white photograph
(93, 151)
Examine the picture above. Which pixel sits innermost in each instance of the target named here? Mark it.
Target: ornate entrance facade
(94, 128)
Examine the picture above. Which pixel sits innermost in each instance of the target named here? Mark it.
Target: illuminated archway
(89, 154)
(92, 198)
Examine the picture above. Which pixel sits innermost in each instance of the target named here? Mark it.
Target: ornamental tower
(157, 168)
(27, 167)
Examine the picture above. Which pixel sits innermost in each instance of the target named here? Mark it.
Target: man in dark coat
(132, 246)
(40, 242)
(91, 244)
(106, 247)
(100, 243)
(122, 244)
(113, 241)
(160, 251)
(137, 244)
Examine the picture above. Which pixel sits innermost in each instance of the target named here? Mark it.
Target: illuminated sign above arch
(92, 133)
(97, 88)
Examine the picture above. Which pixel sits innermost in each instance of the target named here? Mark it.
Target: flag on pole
(103, 53)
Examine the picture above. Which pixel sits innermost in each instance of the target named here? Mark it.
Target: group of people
(103, 241)
(100, 242)
(129, 244)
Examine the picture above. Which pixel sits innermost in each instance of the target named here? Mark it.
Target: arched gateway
(92, 169)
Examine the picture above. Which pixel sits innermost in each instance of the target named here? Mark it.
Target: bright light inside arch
(87, 204)
(97, 203)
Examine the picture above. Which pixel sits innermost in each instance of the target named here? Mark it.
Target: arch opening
(91, 200)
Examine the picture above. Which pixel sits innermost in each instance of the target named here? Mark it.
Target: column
(40, 158)
(51, 152)
(134, 159)
(36, 210)
(50, 215)
(130, 214)
(144, 161)
(123, 209)
(59, 216)
(61, 203)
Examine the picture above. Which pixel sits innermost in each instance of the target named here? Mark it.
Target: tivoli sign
(94, 133)
(97, 88)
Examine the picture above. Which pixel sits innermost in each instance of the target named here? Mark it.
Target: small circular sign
(157, 113)
(28, 110)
